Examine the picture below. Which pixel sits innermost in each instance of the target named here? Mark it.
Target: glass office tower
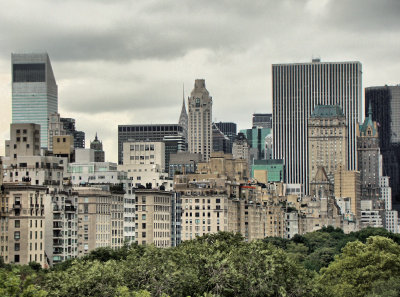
(385, 105)
(34, 91)
(296, 90)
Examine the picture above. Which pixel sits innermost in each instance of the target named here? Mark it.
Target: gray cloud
(121, 62)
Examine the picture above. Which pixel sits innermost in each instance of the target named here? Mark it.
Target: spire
(95, 138)
(183, 118)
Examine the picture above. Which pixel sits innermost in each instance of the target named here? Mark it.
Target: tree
(86, 278)
(361, 268)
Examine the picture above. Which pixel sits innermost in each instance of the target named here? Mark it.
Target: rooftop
(327, 111)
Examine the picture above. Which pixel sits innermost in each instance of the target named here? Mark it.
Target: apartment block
(94, 219)
(61, 226)
(22, 220)
(24, 140)
(56, 128)
(347, 185)
(153, 217)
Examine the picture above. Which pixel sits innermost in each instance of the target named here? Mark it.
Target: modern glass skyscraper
(296, 90)
(385, 107)
(34, 91)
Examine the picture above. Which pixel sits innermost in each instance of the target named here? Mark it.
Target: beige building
(347, 185)
(63, 146)
(142, 152)
(200, 120)
(22, 220)
(56, 128)
(153, 217)
(117, 219)
(95, 219)
(38, 170)
(218, 198)
(144, 163)
(327, 140)
(224, 165)
(24, 140)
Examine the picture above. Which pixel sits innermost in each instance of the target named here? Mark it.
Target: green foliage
(86, 278)
(322, 263)
(11, 284)
(361, 268)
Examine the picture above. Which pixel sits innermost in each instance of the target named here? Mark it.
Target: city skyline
(115, 70)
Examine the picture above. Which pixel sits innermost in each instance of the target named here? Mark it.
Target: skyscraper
(368, 157)
(229, 129)
(296, 90)
(183, 120)
(34, 91)
(385, 105)
(200, 120)
(221, 142)
(263, 120)
(156, 132)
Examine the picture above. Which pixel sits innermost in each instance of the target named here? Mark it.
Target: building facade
(221, 142)
(385, 105)
(149, 133)
(56, 128)
(347, 185)
(327, 140)
(153, 217)
(230, 130)
(256, 138)
(296, 90)
(97, 146)
(369, 158)
(263, 120)
(69, 128)
(34, 91)
(22, 219)
(200, 120)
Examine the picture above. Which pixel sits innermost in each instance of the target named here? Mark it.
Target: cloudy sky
(125, 62)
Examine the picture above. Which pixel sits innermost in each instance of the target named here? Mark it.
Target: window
(17, 235)
(17, 223)
(16, 246)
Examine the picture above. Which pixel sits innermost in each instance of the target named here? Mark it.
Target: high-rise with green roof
(34, 91)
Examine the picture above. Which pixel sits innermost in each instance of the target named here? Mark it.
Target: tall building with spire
(34, 91)
(368, 157)
(200, 120)
(183, 118)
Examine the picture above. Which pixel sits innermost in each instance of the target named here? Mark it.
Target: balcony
(57, 234)
(17, 206)
(57, 225)
(58, 242)
(70, 209)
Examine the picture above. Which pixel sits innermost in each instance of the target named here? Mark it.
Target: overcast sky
(125, 62)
